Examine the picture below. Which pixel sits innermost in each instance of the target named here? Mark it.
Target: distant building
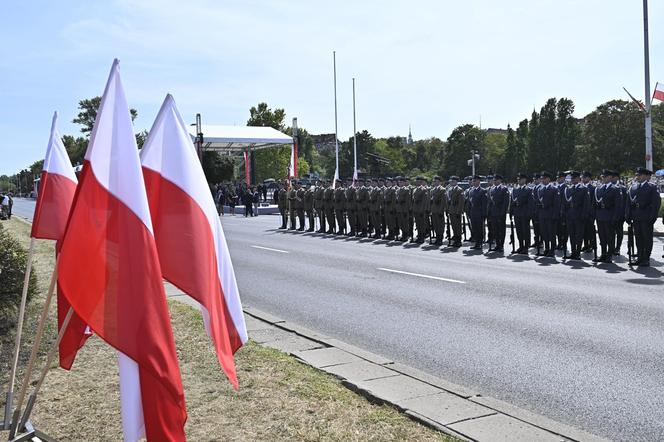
(410, 136)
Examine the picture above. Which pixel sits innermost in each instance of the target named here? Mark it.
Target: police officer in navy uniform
(620, 222)
(561, 225)
(588, 234)
(499, 200)
(548, 201)
(607, 211)
(644, 202)
(521, 207)
(478, 201)
(577, 210)
(534, 214)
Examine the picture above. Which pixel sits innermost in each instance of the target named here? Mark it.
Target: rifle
(447, 229)
(565, 237)
(463, 226)
(594, 241)
(430, 224)
(630, 244)
(512, 233)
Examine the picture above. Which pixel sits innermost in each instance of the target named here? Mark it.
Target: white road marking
(271, 250)
(438, 278)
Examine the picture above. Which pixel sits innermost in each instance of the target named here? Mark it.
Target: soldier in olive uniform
(521, 209)
(375, 207)
(318, 205)
(403, 200)
(308, 204)
(498, 205)
(362, 208)
(478, 211)
(411, 218)
(456, 204)
(282, 204)
(340, 207)
(328, 207)
(421, 208)
(438, 206)
(299, 204)
(351, 206)
(644, 202)
(390, 209)
(292, 205)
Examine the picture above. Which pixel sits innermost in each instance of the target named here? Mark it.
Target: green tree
(76, 147)
(521, 141)
(492, 149)
(217, 168)
(509, 167)
(88, 113)
(262, 115)
(460, 143)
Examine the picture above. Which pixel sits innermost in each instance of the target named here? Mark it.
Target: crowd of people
(566, 211)
(6, 203)
(238, 193)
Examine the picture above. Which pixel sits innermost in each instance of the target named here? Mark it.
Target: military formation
(565, 212)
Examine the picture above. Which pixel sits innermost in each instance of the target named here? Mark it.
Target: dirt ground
(279, 399)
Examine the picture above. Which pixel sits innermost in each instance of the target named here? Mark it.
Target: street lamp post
(199, 138)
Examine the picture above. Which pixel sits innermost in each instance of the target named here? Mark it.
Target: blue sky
(431, 64)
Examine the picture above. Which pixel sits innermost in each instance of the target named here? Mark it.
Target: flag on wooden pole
(189, 236)
(109, 270)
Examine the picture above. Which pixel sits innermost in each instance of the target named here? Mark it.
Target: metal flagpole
(646, 55)
(354, 138)
(336, 135)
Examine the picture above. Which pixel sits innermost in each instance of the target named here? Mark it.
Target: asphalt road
(580, 344)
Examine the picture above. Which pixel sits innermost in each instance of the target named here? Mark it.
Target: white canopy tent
(238, 139)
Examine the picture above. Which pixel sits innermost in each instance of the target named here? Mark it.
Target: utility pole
(646, 55)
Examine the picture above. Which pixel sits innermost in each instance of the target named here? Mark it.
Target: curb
(444, 406)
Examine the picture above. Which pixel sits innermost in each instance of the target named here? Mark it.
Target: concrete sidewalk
(447, 407)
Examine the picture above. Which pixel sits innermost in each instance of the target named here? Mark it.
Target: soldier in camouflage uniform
(438, 208)
(340, 207)
(328, 207)
(309, 208)
(282, 204)
(421, 208)
(362, 206)
(318, 205)
(403, 208)
(299, 204)
(375, 206)
(456, 205)
(390, 209)
(351, 206)
(292, 205)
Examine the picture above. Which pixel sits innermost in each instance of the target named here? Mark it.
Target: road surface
(580, 344)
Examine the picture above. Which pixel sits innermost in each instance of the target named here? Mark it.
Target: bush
(13, 260)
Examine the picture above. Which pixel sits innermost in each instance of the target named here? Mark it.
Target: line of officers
(568, 209)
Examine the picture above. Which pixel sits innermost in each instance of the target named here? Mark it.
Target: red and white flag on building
(57, 186)
(190, 239)
(659, 92)
(109, 270)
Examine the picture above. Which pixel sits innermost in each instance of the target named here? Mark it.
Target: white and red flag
(190, 239)
(292, 165)
(57, 186)
(659, 92)
(109, 271)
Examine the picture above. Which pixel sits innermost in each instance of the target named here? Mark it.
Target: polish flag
(292, 165)
(659, 91)
(57, 186)
(109, 270)
(190, 240)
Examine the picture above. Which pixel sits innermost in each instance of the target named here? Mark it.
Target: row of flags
(131, 221)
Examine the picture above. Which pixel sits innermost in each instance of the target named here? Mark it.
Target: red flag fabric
(659, 92)
(57, 186)
(190, 239)
(109, 271)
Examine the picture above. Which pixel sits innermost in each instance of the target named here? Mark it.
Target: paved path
(579, 344)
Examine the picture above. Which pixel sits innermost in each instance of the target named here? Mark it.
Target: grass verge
(279, 399)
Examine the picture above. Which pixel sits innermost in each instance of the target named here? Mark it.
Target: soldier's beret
(545, 174)
(574, 174)
(420, 178)
(587, 174)
(399, 178)
(477, 177)
(454, 178)
(643, 171)
(498, 177)
(389, 179)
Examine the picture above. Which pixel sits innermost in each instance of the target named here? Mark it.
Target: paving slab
(264, 316)
(433, 380)
(293, 344)
(397, 388)
(325, 357)
(445, 408)
(537, 420)
(502, 428)
(360, 371)
(372, 357)
(254, 324)
(435, 425)
(267, 335)
(300, 330)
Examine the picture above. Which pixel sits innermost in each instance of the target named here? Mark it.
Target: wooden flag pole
(42, 376)
(35, 350)
(19, 330)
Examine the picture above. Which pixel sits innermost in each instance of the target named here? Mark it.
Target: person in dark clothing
(248, 201)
